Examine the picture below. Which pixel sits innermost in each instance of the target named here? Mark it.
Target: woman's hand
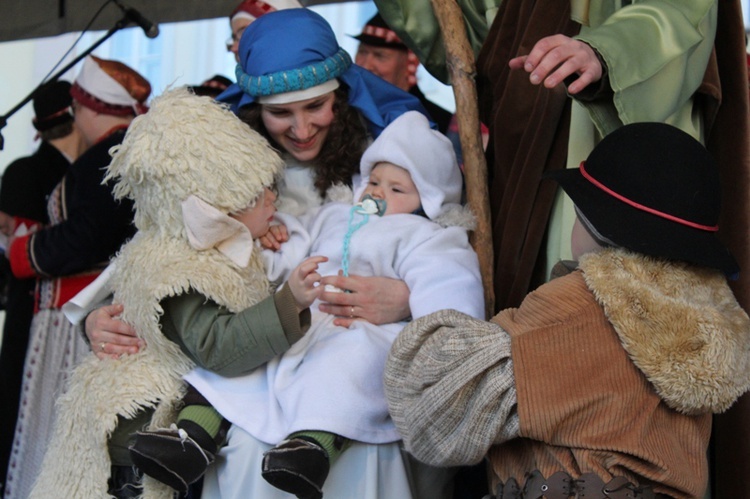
(556, 57)
(379, 300)
(110, 337)
(303, 282)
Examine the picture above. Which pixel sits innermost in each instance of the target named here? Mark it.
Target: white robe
(331, 379)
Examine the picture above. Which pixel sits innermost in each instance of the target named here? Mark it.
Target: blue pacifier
(371, 206)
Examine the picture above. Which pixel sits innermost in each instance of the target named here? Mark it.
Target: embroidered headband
(111, 87)
(292, 80)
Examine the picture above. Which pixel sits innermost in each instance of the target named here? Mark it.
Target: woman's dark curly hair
(340, 155)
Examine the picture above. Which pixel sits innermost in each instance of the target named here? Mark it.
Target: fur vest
(148, 269)
(618, 368)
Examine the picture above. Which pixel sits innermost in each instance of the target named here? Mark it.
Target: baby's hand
(304, 280)
(272, 239)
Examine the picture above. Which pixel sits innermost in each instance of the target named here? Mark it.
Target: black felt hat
(376, 32)
(653, 189)
(52, 105)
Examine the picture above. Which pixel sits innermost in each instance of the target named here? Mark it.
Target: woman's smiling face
(301, 127)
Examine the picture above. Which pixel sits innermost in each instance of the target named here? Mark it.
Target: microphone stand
(122, 23)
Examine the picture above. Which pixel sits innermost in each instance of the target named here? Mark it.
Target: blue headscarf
(295, 49)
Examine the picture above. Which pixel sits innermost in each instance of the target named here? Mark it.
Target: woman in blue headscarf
(300, 89)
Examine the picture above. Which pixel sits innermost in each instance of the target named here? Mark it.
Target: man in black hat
(383, 53)
(25, 186)
(604, 381)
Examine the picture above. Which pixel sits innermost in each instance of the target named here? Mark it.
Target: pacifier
(371, 206)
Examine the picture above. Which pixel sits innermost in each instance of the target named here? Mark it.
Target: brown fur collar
(680, 324)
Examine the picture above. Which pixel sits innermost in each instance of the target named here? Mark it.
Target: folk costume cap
(426, 154)
(653, 189)
(292, 55)
(253, 9)
(52, 105)
(111, 87)
(377, 33)
(190, 148)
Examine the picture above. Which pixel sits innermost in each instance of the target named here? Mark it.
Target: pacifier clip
(368, 206)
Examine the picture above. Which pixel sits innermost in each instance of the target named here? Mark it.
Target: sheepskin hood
(426, 154)
(174, 151)
(680, 324)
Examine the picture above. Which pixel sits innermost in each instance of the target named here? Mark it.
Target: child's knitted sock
(334, 444)
(202, 422)
(193, 418)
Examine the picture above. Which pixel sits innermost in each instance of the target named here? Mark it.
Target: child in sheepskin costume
(327, 389)
(603, 382)
(200, 181)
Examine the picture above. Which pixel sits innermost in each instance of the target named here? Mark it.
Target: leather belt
(561, 485)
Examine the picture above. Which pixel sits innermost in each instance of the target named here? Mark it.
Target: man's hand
(556, 57)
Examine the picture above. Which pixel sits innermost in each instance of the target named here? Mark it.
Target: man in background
(383, 53)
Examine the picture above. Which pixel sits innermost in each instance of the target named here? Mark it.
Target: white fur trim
(339, 193)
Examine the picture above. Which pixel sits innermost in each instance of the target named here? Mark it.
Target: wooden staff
(462, 71)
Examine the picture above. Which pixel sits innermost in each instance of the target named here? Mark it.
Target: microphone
(151, 29)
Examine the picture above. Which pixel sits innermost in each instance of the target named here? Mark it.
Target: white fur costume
(185, 145)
